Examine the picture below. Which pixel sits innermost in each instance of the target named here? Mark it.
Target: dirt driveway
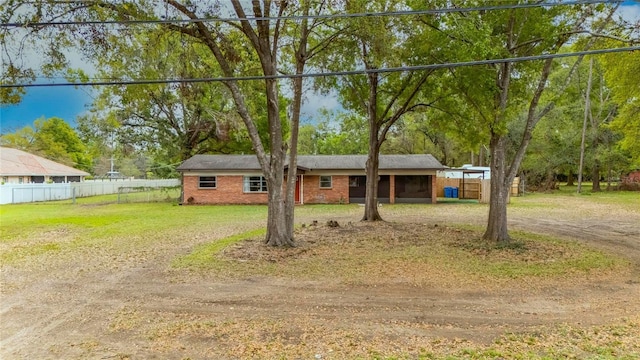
(101, 304)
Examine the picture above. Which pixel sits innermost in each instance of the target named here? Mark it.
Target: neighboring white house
(467, 171)
(19, 167)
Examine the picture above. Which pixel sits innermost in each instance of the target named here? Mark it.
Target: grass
(204, 256)
(117, 226)
(450, 256)
(532, 255)
(29, 230)
(625, 199)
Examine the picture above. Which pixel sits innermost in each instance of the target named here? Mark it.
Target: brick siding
(338, 194)
(228, 191)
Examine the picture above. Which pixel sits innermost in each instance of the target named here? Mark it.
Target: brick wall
(339, 192)
(228, 191)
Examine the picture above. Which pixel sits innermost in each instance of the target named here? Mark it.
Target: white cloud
(316, 102)
(630, 11)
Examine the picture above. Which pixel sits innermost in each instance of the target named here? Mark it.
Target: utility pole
(587, 110)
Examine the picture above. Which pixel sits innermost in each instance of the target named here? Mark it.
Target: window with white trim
(208, 182)
(254, 184)
(326, 182)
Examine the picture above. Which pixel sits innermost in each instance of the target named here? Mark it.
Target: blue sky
(65, 102)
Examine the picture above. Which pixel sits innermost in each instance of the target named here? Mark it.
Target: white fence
(24, 193)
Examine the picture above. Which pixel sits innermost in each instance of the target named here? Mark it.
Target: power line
(336, 73)
(300, 17)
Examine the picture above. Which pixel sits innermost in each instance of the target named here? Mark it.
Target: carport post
(392, 189)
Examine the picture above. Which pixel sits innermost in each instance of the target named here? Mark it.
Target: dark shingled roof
(313, 162)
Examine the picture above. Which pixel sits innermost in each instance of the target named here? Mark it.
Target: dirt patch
(99, 303)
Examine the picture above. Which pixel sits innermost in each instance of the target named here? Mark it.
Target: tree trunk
(609, 174)
(497, 222)
(279, 232)
(279, 229)
(570, 178)
(595, 172)
(371, 195)
(371, 187)
(550, 181)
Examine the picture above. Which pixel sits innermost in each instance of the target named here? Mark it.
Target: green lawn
(33, 230)
(56, 226)
(63, 226)
(630, 199)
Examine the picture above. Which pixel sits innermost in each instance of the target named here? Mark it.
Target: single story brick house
(322, 179)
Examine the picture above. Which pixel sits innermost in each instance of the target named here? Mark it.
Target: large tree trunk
(497, 222)
(279, 228)
(279, 233)
(371, 195)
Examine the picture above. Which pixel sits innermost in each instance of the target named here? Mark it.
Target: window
(209, 182)
(254, 184)
(325, 182)
(20, 180)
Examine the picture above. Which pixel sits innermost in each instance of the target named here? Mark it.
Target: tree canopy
(247, 46)
(53, 139)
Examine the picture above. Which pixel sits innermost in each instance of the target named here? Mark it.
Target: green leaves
(53, 139)
(622, 73)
